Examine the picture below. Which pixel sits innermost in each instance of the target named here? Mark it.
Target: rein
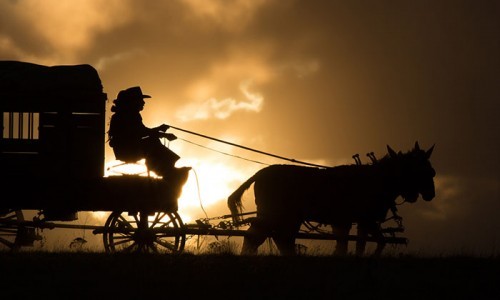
(251, 149)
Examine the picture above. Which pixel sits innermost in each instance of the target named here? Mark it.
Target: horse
(287, 195)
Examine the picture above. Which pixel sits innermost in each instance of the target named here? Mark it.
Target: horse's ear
(429, 152)
(392, 153)
(417, 147)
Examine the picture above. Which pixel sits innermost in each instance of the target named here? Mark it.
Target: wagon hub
(144, 236)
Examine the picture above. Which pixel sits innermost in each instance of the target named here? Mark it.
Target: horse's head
(414, 173)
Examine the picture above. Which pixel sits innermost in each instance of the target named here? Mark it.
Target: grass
(79, 275)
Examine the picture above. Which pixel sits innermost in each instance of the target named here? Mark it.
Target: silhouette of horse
(288, 195)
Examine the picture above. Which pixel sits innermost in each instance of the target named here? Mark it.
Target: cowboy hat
(129, 94)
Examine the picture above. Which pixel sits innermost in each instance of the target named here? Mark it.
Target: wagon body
(52, 145)
(59, 197)
(52, 160)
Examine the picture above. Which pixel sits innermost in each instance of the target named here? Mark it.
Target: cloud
(104, 62)
(8, 47)
(229, 85)
(460, 218)
(224, 108)
(64, 27)
(448, 189)
(304, 68)
(228, 15)
(460, 198)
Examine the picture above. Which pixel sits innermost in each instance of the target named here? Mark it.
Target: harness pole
(250, 149)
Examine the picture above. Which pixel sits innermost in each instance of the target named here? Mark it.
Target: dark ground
(121, 276)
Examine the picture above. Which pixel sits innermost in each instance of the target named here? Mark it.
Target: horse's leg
(375, 230)
(362, 234)
(254, 237)
(285, 239)
(342, 233)
(285, 244)
(377, 234)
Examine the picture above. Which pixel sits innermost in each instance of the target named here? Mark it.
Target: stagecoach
(52, 160)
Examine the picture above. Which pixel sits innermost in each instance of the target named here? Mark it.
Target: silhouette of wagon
(52, 160)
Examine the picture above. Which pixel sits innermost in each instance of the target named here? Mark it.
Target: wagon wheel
(139, 232)
(9, 229)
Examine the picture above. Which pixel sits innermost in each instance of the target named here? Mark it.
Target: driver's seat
(128, 158)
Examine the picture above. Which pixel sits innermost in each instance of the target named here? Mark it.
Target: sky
(316, 81)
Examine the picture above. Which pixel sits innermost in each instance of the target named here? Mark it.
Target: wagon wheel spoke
(122, 221)
(130, 248)
(167, 245)
(6, 242)
(10, 231)
(167, 227)
(123, 236)
(153, 248)
(137, 221)
(144, 248)
(123, 240)
(158, 218)
(168, 223)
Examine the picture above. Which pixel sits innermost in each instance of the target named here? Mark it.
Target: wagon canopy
(24, 77)
(30, 87)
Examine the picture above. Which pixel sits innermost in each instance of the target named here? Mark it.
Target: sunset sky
(316, 81)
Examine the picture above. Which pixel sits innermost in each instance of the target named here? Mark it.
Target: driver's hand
(163, 127)
(170, 136)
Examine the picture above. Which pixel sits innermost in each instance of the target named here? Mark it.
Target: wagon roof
(18, 77)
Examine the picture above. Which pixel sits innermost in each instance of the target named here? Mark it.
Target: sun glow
(208, 186)
(204, 185)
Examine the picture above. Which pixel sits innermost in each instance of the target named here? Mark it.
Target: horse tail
(234, 200)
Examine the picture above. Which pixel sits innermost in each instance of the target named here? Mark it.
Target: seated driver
(131, 140)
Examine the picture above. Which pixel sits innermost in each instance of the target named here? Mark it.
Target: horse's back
(340, 181)
(343, 192)
(283, 179)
